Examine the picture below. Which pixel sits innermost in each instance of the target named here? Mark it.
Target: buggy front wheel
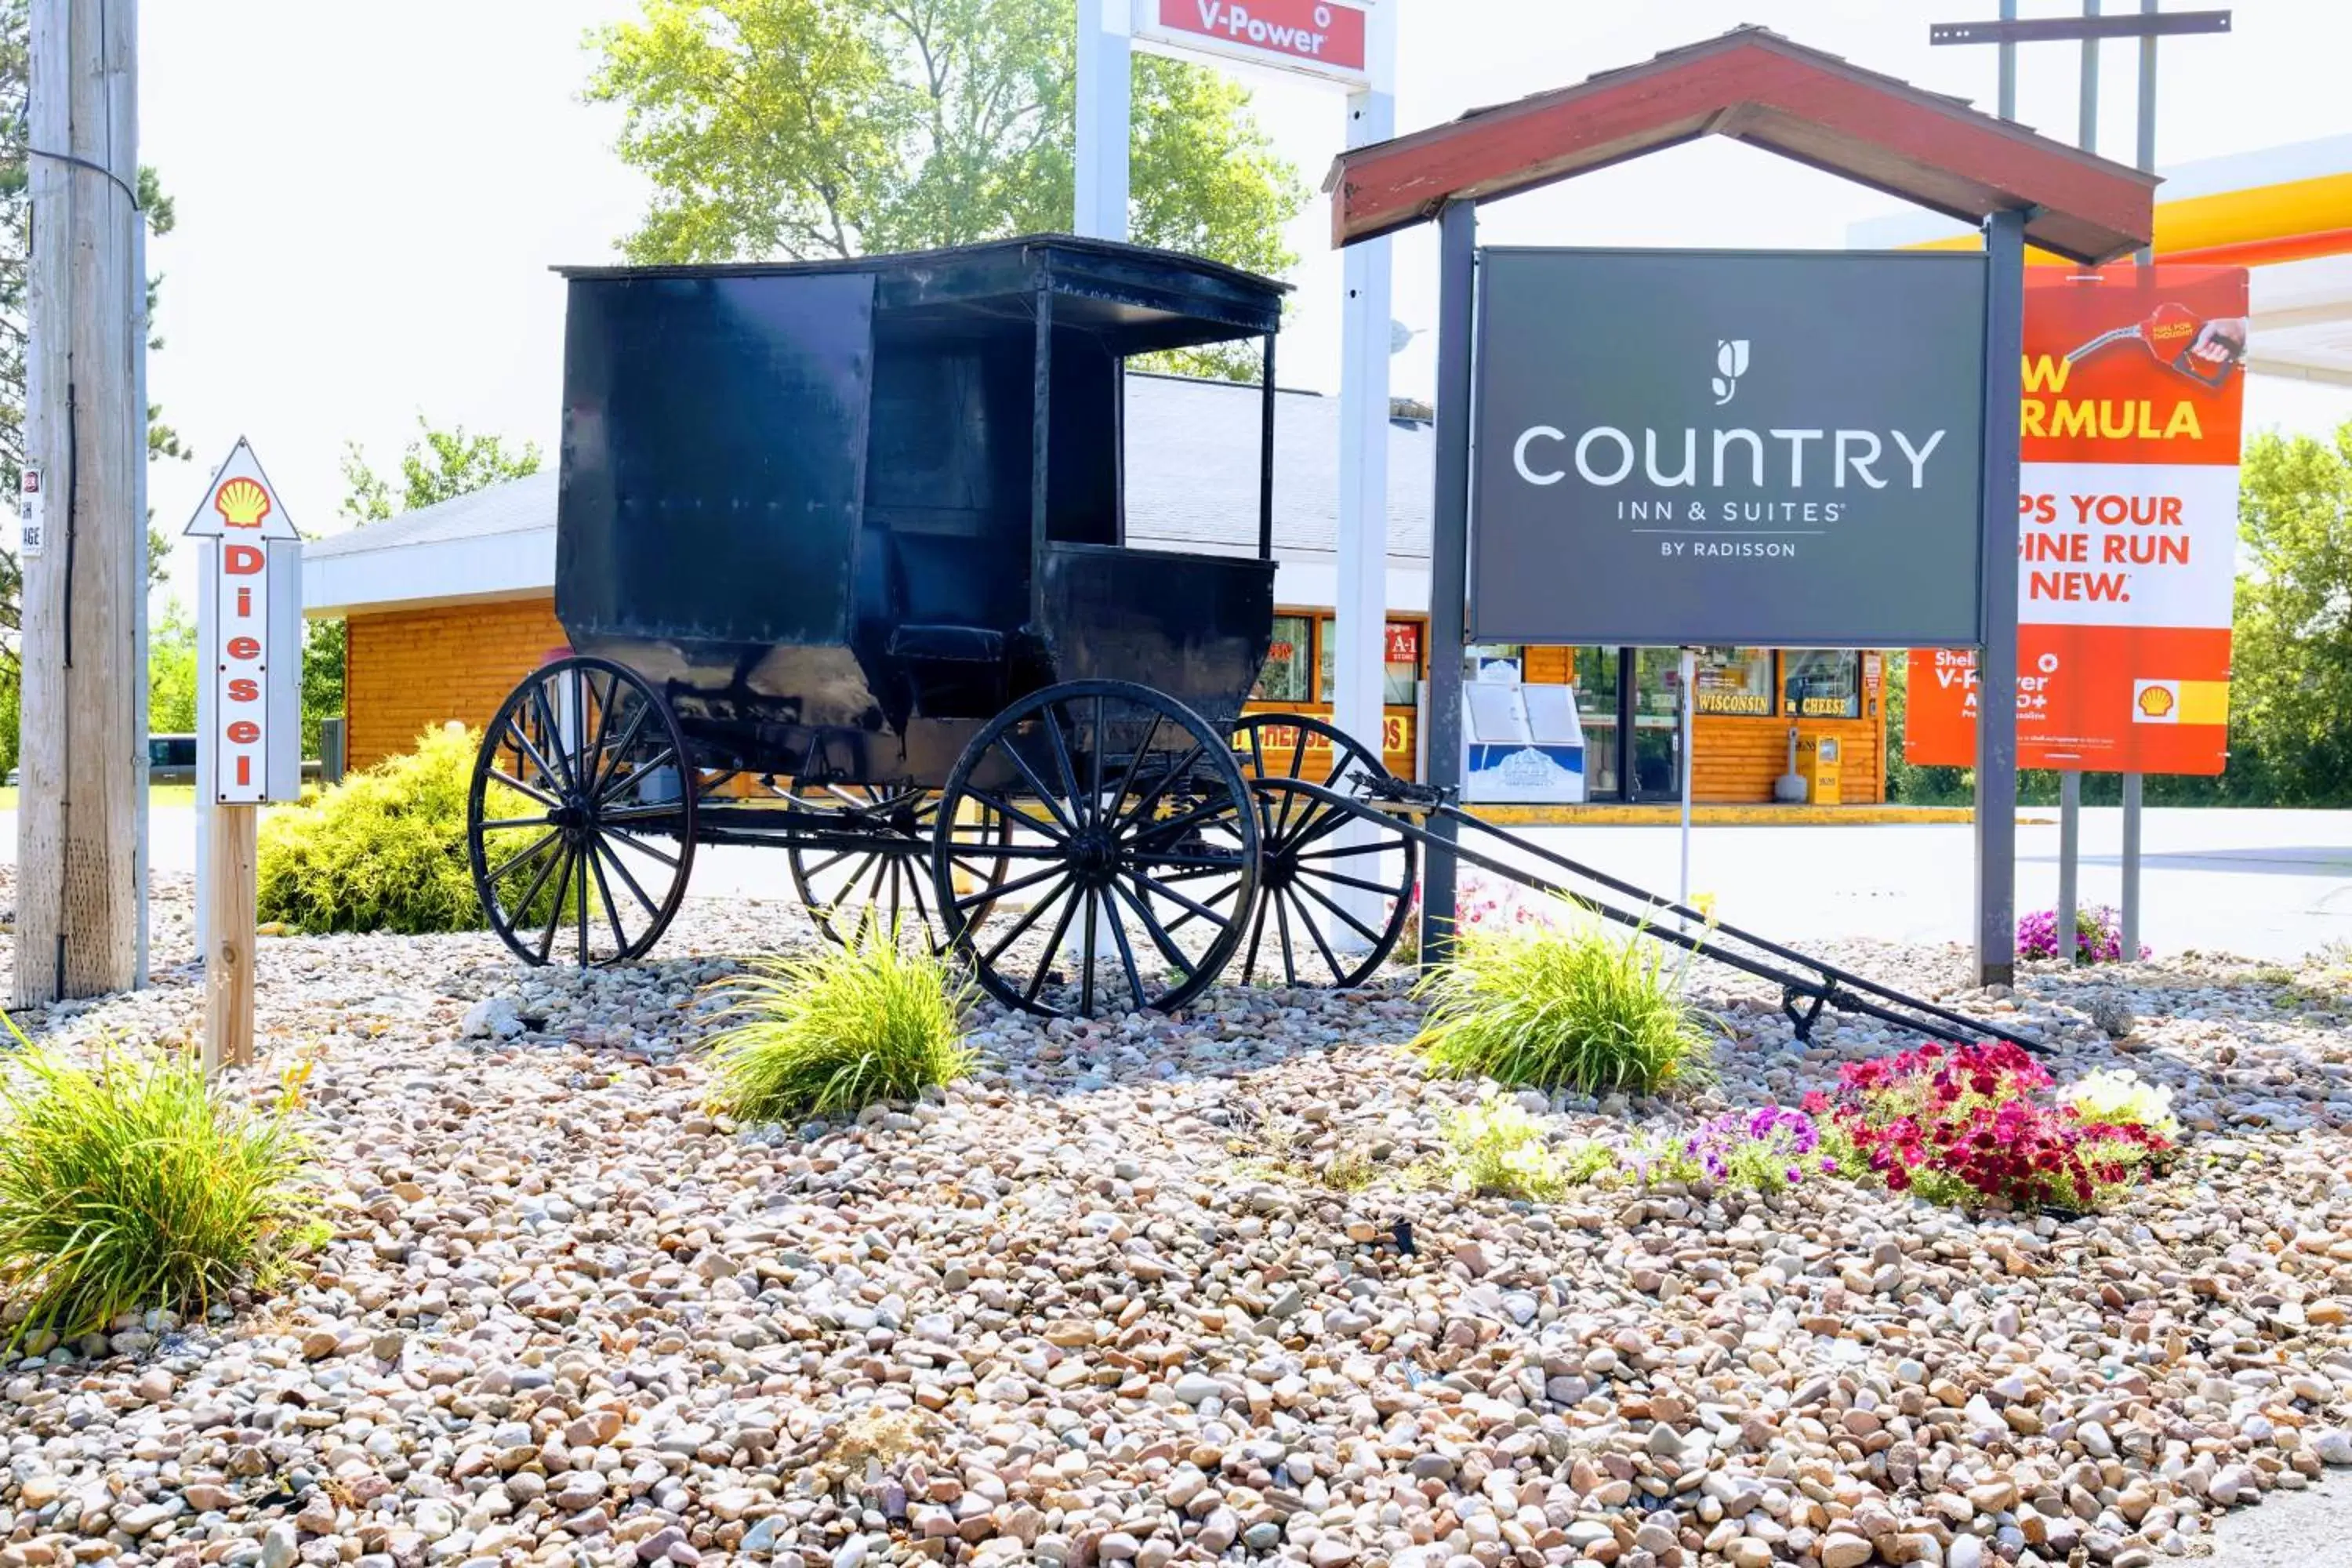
(1130, 846)
(580, 819)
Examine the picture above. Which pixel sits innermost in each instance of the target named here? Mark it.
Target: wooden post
(228, 962)
(78, 898)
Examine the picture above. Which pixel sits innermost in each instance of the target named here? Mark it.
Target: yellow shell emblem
(2155, 702)
(242, 503)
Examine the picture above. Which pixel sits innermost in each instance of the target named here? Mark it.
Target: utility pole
(84, 551)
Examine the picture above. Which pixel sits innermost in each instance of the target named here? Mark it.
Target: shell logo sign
(242, 502)
(247, 745)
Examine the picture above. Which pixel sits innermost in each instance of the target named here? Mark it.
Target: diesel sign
(1766, 449)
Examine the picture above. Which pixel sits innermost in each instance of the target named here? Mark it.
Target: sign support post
(249, 737)
(1996, 813)
(1449, 560)
(1352, 44)
(1689, 694)
(1106, 112)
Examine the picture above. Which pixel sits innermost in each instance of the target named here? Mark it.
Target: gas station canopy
(1753, 85)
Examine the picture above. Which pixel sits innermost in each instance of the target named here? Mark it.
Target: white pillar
(1362, 603)
(1106, 87)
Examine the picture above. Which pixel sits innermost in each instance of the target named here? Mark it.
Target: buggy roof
(1133, 296)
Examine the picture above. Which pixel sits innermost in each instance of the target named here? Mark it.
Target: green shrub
(385, 849)
(1556, 1005)
(839, 1028)
(132, 1186)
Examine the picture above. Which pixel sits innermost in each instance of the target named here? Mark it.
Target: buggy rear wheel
(1131, 851)
(844, 885)
(579, 822)
(1310, 865)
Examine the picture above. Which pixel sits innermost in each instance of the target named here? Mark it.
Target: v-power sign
(1325, 38)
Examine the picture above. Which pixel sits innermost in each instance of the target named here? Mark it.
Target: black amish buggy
(841, 549)
(842, 555)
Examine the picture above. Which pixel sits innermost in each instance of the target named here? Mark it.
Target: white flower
(2122, 1097)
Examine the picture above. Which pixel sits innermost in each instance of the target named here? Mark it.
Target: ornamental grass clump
(832, 1032)
(1562, 1006)
(1966, 1125)
(133, 1184)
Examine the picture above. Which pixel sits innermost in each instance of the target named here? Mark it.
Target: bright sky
(370, 196)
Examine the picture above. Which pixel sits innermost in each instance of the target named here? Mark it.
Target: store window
(1735, 681)
(1821, 683)
(1284, 679)
(1401, 662)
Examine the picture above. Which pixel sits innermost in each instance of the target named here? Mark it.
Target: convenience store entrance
(1620, 692)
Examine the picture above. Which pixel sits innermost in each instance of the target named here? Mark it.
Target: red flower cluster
(1961, 1123)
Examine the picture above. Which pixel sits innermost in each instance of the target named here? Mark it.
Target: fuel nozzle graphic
(2205, 352)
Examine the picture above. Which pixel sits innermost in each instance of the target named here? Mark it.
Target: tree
(2291, 697)
(438, 466)
(172, 673)
(831, 127)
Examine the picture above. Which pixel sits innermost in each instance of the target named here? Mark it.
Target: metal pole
(2008, 54)
(2069, 780)
(2131, 868)
(2088, 131)
(1457, 247)
(1689, 687)
(1265, 457)
(2070, 861)
(1360, 604)
(1996, 814)
(2147, 257)
(1106, 89)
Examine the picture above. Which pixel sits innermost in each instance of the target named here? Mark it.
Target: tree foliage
(172, 673)
(832, 127)
(2291, 697)
(437, 466)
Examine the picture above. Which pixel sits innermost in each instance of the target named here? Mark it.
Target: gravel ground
(1098, 1306)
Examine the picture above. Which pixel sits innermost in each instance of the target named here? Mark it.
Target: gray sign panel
(1763, 449)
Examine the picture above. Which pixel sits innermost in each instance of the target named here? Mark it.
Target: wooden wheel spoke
(1053, 945)
(1162, 938)
(1135, 763)
(1141, 811)
(517, 822)
(498, 873)
(1370, 886)
(1314, 932)
(612, 908)
(644, 848)
(555, 910)
(1028, 919)
(1257, 931)
(620, 751)
(512, 782)
(554, 732)
(1087, 965)
(1081, 811)
(1282, 929)
(1001, 890)
(1231, 886)
(621, 869)
(620, 781)
(1126, 951)
(1352, 924)
(1163, 890)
